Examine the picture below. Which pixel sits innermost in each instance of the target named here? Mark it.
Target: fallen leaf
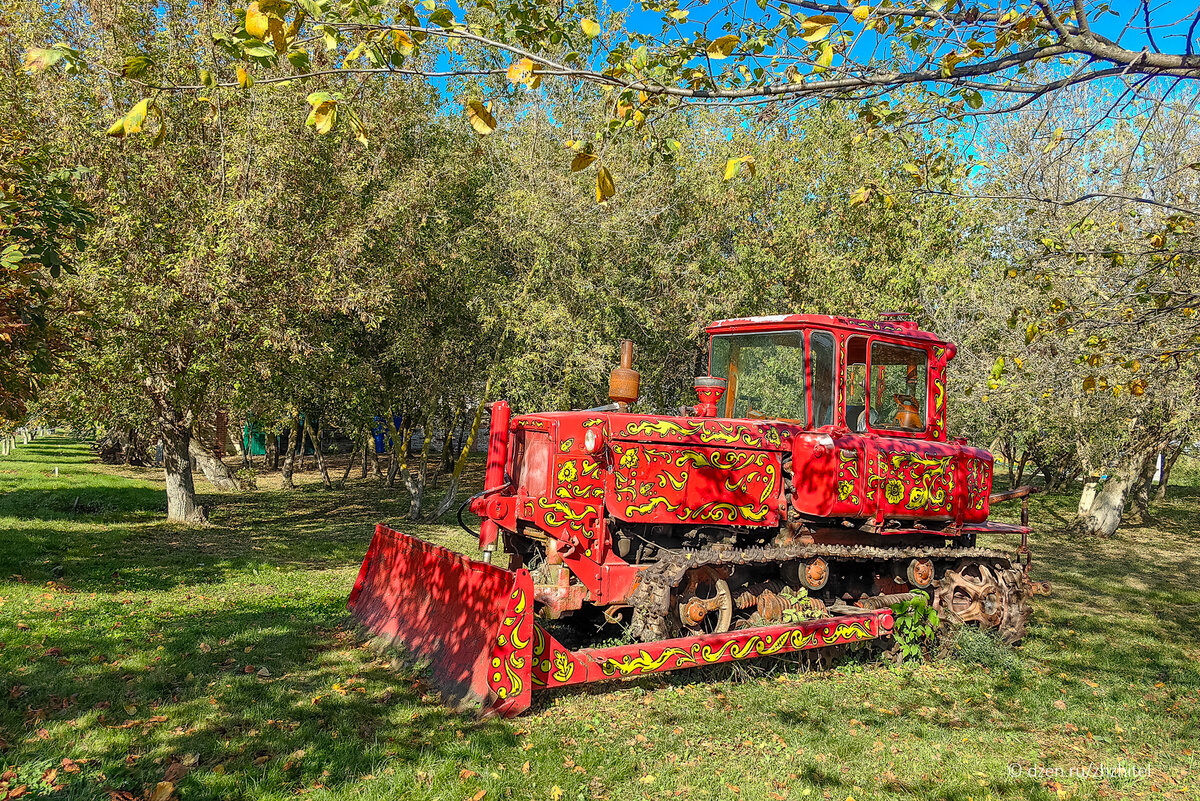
(465, 774)
(69, 766)
(162, 791)
(264, 672)
(262, 760)
(556, 793)
(1060, 704)
(175, 772)
(479, 795)
(525, 768)
(205, 648)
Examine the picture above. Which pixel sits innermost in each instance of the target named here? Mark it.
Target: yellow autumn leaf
(402, 42)
(723, 47)
(734, 165)
(257, 23)
(590, 27)
(243, 78)
(814, 29)
(480, 118)
(137, 116)
(604, 185)
(824, 60)
(581, 161)
(861, 13)
(556, 793)
(323, 116)
(117, 129)
(162, 791)
(519, 71)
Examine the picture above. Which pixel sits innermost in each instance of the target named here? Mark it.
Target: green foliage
(972, 646)
(915, 626)
(42, 219)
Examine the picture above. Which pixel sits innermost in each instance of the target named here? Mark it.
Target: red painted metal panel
(689, 484)
(554, 665)
(473, 623)
(442, 608)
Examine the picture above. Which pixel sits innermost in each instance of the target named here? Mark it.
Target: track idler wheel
(704, 603)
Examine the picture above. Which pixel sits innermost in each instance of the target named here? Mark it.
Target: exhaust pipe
(623, 383)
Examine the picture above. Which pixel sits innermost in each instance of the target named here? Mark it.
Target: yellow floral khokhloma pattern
(648, 660)
(709, 432)
(557, 664)
(921, 482)
(847, 475)
(506, 676)
(668, 470)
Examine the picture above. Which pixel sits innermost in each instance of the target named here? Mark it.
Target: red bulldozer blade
(471, 621)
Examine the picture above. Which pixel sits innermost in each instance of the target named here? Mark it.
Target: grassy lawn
(221, 659)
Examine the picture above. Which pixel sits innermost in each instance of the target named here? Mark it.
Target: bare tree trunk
(349, 464)
(1102, 515)
(289, 461)
(456, 476)
(401, 440)
(177, 463)
(1140, 492)
(314, 436)
(213, 468)
(368, 448)
(1164, 478)
(415, 482)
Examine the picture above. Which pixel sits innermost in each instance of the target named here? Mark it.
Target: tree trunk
(314, 436)
(213, 468)
(415, 482)
(400, 443)
(349, 464)
(1164, 478)
(289, 461)
(468, 443)
(1140, 492)
(1102, 515)
(368, 449)
(177, 463)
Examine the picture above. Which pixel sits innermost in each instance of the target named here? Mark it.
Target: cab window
(854, 389)
(898, 388)
(822, 353)
(765, 375)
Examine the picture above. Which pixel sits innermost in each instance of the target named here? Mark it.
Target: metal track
(651, 600)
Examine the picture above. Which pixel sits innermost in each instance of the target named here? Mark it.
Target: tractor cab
(824, 372)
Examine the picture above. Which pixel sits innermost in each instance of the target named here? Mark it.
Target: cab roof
(786, 322)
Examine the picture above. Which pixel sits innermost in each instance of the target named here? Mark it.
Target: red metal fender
(471, 621)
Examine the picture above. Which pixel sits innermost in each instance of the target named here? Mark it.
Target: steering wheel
(862, 419)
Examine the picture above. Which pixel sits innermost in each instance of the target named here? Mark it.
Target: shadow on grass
(186, 687)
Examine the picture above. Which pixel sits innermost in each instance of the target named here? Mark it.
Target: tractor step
(473, 623)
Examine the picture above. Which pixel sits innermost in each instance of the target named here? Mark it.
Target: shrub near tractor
(812, 488)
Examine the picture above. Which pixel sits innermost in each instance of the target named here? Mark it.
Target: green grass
(132, 648)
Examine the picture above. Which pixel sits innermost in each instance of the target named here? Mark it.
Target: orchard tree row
(364, 211)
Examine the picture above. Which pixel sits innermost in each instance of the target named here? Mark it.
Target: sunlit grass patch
(220, 658)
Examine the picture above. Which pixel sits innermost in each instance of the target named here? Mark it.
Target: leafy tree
(42, 219)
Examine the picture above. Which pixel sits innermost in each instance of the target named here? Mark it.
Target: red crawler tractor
(811, 488)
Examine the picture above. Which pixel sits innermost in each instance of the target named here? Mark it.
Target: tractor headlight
(592, 441)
